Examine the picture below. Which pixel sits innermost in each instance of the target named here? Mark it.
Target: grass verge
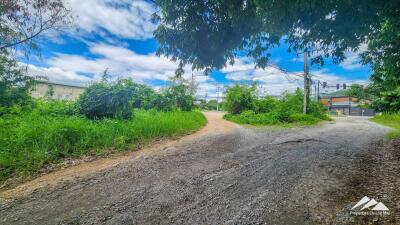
(390, 120)
(31, 140)
(269, 119)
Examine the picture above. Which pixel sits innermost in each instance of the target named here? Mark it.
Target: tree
(240, 98)
(210, 34)
(107, 100)
(22, 21)
(50, 91)
(384, 55)
(15, 86)
(178, 93)
(358, 91)
(212, 105)
(143, 96)
(265, 104)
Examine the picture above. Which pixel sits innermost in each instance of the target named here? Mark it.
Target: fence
(361, 112)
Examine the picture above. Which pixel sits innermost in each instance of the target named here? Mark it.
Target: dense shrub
(14, 84)
(290, 104)
(161, 103)
(316, 109)
(240, 98)
(55, 107)
(302, 118)
(107, 100)
(269, 111)
(178, 95)
(266, 104)
(143, 97)
(208, 105)
(249, 117)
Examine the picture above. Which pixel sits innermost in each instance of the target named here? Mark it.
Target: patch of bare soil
(72, 169)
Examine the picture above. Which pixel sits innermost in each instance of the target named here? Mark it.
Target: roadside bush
(290, 104)
(107, 100)
(248, 113)
(240, 98)
(316, 109)
(302, 118)
(270, 111)
(178, 96)
(143, 97)
(162, 103)
(55, 107)
(14, 84)
(266, 104)
(207, 105)
(254, 119)
(390, 120)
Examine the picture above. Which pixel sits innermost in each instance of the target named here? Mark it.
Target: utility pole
(192, 85)
(315, 90)
(318, 91)
(306, 84)
(218, 98)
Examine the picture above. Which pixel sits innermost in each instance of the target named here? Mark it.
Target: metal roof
(63, 84)
(340, 93)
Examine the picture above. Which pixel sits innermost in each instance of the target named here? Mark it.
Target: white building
(57, 91)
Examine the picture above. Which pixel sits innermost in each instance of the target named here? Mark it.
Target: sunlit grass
(390, 120)
(31, 140)
(274, 119)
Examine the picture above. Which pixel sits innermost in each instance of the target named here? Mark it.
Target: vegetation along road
(224, 174)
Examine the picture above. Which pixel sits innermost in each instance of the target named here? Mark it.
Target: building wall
(325, 102)
(61, 92)
(344, 99)
(341, 110)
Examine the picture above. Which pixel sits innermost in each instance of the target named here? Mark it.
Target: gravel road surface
(240, 175)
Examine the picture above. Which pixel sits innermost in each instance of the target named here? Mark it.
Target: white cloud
(271, 80)
(58, 75)
(125, 63)
(122, 63)
(274, 81)
(123, 18)
(353, 60)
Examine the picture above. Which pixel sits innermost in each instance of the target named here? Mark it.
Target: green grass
(390, 120)
(30, 140)
(274, 119)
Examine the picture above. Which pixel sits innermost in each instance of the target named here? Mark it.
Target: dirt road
(225, 174)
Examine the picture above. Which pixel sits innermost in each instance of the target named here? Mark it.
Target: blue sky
(118, 35)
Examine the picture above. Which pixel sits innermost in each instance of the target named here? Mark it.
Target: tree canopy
(209, 34)
(212, 33)
(22, 21)
(383, 55)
